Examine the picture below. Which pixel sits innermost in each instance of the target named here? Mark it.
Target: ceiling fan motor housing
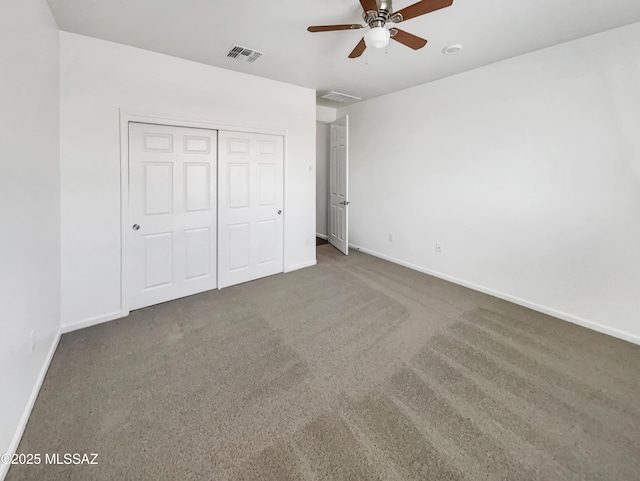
(382, 16)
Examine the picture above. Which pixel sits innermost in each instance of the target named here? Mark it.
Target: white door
(172, 192)
(339, 185)
(250, 204)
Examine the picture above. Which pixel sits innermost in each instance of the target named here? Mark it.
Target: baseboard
(322, 236)
(594, 326)
(301, 266)
(13, 447)
(92, 321)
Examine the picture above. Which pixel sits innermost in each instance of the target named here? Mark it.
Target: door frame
(125, 240)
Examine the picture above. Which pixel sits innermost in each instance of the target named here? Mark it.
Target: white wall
(30, 214)
(528, 173)
(98, 78)
(325, 114)
(322, 171)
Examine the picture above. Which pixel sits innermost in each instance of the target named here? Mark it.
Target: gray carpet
(356, 369)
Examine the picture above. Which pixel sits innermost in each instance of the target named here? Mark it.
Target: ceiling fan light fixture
(377, 37)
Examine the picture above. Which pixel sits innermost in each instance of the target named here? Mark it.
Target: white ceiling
(202, 30)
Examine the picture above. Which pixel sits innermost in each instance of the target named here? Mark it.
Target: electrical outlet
(390, 237)
(438, 248)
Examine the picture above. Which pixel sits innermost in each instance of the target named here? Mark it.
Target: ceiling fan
(376, 14)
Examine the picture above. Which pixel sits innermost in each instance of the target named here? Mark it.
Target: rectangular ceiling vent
(243, 54)
(338, 97)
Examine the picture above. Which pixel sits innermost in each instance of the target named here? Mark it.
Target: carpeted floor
(356, 369)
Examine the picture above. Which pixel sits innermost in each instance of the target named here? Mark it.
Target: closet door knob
(136, 227)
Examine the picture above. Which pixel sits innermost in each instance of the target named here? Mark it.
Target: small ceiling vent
(338, 97)
(243, 54)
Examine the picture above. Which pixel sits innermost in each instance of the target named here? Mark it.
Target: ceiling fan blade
(408, 39)
(421, 8)
(330, 28)
(369, 5)
(359, 50)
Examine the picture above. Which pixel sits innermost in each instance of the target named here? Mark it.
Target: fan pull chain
(366, 58)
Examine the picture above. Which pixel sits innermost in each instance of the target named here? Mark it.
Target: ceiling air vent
(243, 54)
(338, 97)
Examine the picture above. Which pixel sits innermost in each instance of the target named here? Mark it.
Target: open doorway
(322, 181)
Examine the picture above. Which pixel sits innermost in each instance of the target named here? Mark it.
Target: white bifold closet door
(250, 204)
(172, 202)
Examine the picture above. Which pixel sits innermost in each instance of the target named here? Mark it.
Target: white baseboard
(92, 321)
(322, 236)
(301, 266)
(626, 336)
(13, 447)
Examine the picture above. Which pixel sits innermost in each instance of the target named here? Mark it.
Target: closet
(205, 208)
